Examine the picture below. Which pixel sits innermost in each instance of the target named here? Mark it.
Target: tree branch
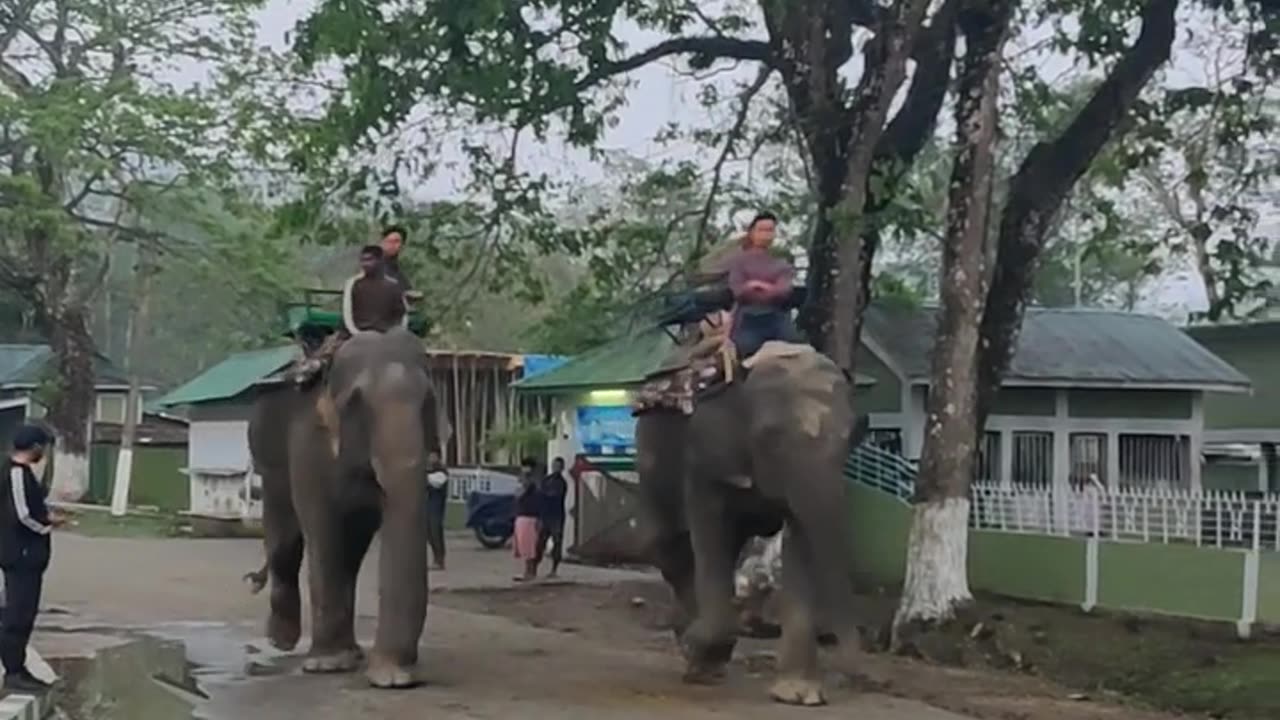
(710, 46)
(1042, 182)
(735, 132)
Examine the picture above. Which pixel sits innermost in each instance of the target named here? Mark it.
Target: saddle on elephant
(323, 320)
(706, 357)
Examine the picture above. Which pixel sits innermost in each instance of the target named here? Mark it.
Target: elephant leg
(358, 528)
(284, 546)
(673, 556)
(799, 682)
(709, 640)
(824, 524)
(402, 577)
(333, 647)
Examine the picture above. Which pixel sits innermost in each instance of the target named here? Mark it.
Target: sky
(662, 96)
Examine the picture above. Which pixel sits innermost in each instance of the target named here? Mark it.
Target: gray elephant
(339, 461)
(761, 455)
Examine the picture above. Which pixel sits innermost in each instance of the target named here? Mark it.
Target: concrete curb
(20, 707)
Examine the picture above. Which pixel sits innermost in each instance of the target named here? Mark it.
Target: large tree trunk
(1042, 184)
(816, 42)
(137, 329)
(72, 398)
(937, 580)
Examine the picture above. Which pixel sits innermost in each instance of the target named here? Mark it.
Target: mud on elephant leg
(799, 681)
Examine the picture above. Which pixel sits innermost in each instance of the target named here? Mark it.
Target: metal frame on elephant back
(319, 314)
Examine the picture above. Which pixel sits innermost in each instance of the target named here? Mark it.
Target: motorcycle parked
(492, 517)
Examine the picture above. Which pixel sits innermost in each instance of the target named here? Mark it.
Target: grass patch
(93, 523)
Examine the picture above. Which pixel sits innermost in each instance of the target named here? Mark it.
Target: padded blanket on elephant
(677, 387)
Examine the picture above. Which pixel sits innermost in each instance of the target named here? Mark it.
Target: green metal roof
(1056, 346)
(624, 361)
(1069, 346)
(619, 363)
(25, 366)
(230, 377)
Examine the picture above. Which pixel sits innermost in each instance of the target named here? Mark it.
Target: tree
(93, 130)
(937, 550)
(535, 67)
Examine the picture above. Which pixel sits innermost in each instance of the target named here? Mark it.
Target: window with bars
(887, 439)
(986, 467)
(1155, 461)
(1088, 459)
(1032, 458)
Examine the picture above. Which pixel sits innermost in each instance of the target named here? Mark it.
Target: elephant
(340, 461)
(758, 456)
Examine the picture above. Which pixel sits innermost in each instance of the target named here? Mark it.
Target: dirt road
(595, 648)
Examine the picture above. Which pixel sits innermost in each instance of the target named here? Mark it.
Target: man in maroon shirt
(761, 286)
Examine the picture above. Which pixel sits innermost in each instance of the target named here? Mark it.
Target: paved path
(478, 666)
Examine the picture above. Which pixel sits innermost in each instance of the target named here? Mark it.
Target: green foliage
(522, 436)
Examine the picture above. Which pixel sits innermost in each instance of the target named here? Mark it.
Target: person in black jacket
(25, 548)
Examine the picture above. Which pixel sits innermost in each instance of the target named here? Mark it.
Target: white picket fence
(1149, 515)
(1211, 519)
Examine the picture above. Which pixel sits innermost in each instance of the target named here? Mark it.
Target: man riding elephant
(375, 299)
(729, 449)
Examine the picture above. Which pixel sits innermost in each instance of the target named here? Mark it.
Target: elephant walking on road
(757, 456)
(340, 461)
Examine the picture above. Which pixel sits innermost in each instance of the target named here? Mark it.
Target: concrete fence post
(1091, 550)
(1249, 593)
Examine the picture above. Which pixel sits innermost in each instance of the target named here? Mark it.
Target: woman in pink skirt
(528, 506)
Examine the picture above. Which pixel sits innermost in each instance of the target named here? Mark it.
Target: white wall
(222, 444)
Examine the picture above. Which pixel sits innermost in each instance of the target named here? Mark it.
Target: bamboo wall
(479, 401)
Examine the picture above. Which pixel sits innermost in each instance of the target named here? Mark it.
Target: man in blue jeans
(25, 549)
(761, 286)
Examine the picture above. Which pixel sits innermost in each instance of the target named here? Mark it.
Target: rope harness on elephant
(706, 361)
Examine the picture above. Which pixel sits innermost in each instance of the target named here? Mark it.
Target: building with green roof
(1112, 396)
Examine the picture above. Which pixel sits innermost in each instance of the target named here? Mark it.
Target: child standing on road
(527, 531)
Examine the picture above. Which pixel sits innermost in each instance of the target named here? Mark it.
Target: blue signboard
(606, 430)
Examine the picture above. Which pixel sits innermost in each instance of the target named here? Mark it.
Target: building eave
(1219, 387)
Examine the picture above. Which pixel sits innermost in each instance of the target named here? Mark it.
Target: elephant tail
(257, 579)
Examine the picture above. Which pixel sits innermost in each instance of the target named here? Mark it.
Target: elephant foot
(383, 673)
(283, 633)
(798, 691)
(704, 673)
(338, 662)
(705, 665)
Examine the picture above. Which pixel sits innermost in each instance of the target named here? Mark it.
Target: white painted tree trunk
(937, 582)
(137, 328)
(120, 488)
(70, 475)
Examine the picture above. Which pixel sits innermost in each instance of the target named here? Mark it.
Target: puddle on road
(162, 672)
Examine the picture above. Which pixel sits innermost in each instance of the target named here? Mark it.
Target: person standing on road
(25, 548)
(528, 510)
(554, 491)
(437, 499)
